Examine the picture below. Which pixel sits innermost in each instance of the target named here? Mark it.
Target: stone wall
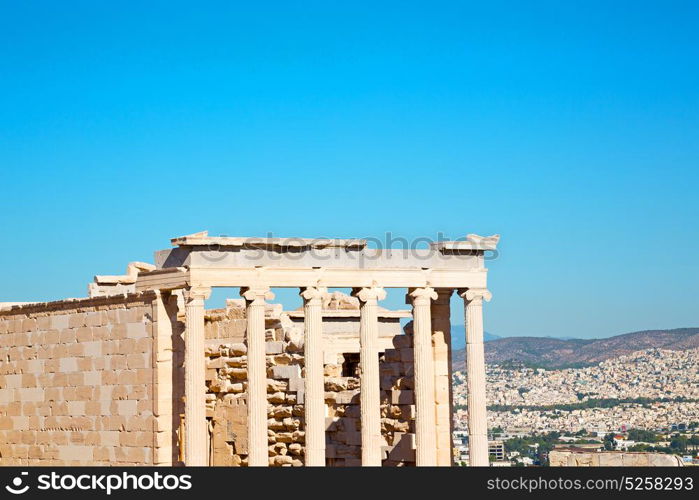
(78, 382)
(579, 458)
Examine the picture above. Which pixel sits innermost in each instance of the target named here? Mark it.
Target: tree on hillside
(642, 435)
(609, 443)
(679, 444)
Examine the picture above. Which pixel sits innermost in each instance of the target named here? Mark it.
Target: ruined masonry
(140, 373)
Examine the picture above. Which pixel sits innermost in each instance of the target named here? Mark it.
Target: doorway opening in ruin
(350, 365)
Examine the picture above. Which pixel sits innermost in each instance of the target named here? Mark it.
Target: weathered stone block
(400, 397)
(274, 348)
(286, 372)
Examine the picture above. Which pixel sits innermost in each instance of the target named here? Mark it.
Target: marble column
(314, 402)
(258, 455)
(441, 342)
(426, 443)
(196, 432)
(369, 398)
(475, 375)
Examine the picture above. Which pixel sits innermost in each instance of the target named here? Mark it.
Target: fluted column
(475, 375)
(257, 374)
(196, 432)
(314, 402)
(370, 398)
(441, 342)
(425, 431)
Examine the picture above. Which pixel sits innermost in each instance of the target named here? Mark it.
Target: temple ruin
(140, 373)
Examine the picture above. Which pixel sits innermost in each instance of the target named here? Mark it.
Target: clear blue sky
(571, 128)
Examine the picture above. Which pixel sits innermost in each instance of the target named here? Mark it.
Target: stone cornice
(203, 239)
(472, 242)
(130, 277)
(78, 304)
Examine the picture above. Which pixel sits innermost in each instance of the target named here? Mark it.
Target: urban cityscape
(644, 401)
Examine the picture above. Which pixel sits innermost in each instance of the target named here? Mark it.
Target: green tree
(679, 443)
(609, 443)
(642, 435)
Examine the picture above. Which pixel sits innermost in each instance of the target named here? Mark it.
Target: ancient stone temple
(141, 373)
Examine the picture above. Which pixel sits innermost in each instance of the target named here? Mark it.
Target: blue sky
(572, 130)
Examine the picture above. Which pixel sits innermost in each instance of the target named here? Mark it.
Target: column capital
(197, 293)
(475, 294)
(421, 296)
(368, 294)
(443, 295)
(256, 295)
(313, 293)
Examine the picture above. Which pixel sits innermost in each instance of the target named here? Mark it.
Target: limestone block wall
(579, 458)
(226, 379)
(77, 382)
(397, 409)
(398, 401)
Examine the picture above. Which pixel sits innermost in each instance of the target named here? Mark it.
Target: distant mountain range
(458, 337)
(549, 352)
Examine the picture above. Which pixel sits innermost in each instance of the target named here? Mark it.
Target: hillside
(559, 353)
